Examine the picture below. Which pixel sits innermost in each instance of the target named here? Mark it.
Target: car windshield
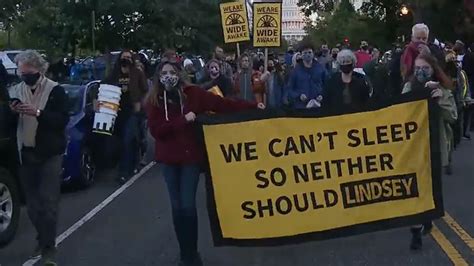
(12, 56)
(75, 98)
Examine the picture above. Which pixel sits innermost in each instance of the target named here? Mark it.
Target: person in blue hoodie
(307, 80)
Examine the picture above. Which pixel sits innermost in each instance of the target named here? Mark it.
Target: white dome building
(292, 22)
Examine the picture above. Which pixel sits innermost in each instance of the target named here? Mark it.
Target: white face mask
(169, 81)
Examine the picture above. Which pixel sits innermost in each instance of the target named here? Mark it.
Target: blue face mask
(423, 75)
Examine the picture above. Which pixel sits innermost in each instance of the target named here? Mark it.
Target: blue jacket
(307, 81)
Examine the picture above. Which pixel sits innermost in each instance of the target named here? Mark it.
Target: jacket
(307, 81)
(333, 96)
(137, 86)
(224, 83)
(52, 122)
(243, 85)
(176, 139)
(363, 58)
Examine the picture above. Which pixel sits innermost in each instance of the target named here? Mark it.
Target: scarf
(28, 125)
(408, 60)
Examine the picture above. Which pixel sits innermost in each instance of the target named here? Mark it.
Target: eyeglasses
(424, 68)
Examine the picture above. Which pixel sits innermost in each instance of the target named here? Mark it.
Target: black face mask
(125, 62)
(334, 56)
(346, 69)
(299, 61)
(270, 69)
(30, 79)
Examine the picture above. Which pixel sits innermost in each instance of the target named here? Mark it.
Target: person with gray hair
(346, 88)
(41, 108)
(419, 40)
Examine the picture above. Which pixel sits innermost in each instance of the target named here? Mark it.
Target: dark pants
(129, 156)
(182, 182)
(467, 119)
(41, 183)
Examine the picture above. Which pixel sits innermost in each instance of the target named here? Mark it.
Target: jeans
(129, 156)
(182, 182)
(41, 182)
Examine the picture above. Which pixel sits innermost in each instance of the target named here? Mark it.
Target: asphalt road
(136, 229)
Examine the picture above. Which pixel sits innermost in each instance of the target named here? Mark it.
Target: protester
(216, 78)
(274, 85)
(190, 70)
(460, 52)
(3, 75)
(243, 79)
(42, 111)
(133, 83)
(225, 68)
(420, 35)
(363, 56)
(428, 75)
(333, 62)
(172, 109)
(306, 80)
(347, 88)
(325, 57)
(259, 78)
(289, 56)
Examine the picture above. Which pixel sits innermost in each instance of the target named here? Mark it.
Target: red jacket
(363, 57)
(176, 140)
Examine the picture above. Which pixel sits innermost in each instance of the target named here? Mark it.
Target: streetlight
(405, 10)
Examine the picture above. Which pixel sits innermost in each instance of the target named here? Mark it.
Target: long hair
(439, 75)
(116, 71)
(158, 89)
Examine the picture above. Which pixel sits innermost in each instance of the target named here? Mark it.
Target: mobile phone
(14, 101)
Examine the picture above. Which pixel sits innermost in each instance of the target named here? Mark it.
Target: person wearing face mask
(243, 79)
(428, 75)
(172, 108)
(347, 88)
(306, 80)
(333, 62)
(363, 56)
(224, 67)
(274, 85)
(41, 106)
(134, 87)
(216, 78)
(325, 58)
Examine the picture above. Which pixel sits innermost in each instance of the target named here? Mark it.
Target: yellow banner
(290, 176)
(234, 22)
(267, 24)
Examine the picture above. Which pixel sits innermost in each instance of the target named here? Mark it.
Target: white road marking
(96, 210)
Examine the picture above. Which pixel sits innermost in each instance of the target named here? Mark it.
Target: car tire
(9, 207)
(87, 169)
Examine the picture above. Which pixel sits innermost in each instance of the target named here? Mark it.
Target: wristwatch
(38, 112)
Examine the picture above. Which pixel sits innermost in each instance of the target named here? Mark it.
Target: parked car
(10, 196)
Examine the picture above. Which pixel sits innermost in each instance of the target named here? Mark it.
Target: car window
(74, 95)
(12, 56)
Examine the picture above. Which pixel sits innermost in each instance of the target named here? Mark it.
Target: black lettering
(396, 132)
(410, 128)
(316, 170)
(301, 173)
(271, 148)
(250, 151)
(279, 207)
(338, 164)
(260, 176)
(352, 135)
(250, 213)
(297, 202)
(328, 169)
(262, 208)
(331, 198)
(282, 174)
(330, 136)
(386, 160)
(307, 144)
(367, 142)
(370, 162)
(291, 146)
(315, 202)
(351, 166)
(382, 134)
(232, 153)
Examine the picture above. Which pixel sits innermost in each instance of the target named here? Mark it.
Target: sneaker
(467, 137)
(36, 253)
(416, 241)
(49, 257)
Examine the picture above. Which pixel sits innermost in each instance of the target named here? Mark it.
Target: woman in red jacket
(172, 109)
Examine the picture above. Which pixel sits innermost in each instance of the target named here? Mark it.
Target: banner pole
(238, 50)
(266, 59)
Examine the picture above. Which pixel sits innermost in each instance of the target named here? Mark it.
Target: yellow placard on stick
(267, 24)
(235, 23)
(293, 177)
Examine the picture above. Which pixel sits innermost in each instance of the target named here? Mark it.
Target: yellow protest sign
(234, 22)
(281, 178)
(267, 24)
